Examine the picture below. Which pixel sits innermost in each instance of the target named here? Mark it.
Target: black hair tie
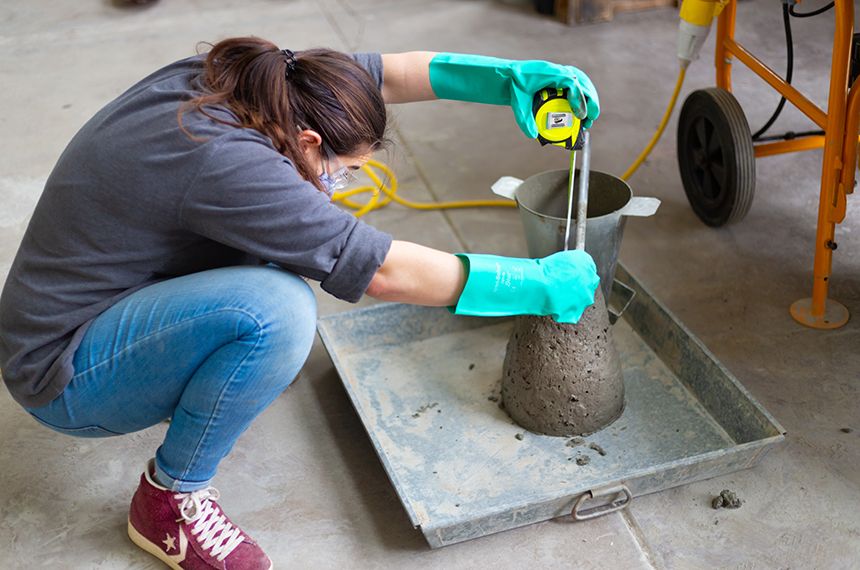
(291, 61)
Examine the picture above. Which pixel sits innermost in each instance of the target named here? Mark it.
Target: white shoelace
(208, 524)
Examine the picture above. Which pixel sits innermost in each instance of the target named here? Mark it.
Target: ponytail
(279, 93)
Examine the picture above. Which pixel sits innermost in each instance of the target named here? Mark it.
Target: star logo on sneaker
(169, 543)
(183, 546)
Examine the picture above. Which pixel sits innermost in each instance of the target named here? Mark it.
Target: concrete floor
(305, 480)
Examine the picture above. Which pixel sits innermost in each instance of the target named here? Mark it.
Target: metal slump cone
(563, 379)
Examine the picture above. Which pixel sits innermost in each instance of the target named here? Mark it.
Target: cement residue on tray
(563, 379)
(424, 408)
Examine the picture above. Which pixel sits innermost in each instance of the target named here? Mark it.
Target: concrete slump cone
(566, 379)
(563, 379)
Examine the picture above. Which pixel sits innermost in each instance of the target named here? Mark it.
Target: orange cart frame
(840, 124)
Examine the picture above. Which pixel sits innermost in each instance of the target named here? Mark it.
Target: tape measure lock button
(555, 120)
(556, 123)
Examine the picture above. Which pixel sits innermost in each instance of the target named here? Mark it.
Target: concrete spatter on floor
(304, 479)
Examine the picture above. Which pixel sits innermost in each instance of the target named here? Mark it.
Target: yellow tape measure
(556, 123)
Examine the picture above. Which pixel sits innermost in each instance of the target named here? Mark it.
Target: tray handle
(621, 497)
(622, 295)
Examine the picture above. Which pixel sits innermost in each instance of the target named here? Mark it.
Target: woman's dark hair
(323, 90)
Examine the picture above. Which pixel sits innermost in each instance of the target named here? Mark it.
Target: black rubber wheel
(716, 157)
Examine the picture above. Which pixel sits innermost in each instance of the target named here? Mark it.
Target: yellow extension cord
(389, 186)
(390, 191)
(660, 128)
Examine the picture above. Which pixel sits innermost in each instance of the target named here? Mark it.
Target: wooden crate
(587, 11)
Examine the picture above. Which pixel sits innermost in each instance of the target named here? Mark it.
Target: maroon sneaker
(188, 531)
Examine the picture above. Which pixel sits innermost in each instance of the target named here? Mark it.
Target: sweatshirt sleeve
(372, 62)
(251, 198)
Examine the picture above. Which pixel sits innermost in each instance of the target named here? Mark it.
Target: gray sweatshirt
(133, 201)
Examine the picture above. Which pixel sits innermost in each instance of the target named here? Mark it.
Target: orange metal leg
(849, 150)
(722, 58)
(819, 311)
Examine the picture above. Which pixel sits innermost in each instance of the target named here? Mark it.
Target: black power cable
(821, 10)
(789, 48)
(789, 69)
(789, 135)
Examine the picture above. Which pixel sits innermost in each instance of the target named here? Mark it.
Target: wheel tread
(716, 104)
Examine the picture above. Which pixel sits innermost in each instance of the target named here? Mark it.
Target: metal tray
(425, 384)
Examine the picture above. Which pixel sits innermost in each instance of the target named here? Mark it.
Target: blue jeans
(210, 351)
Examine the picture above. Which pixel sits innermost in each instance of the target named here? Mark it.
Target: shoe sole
(144, 544)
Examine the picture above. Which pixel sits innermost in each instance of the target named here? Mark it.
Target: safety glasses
(340, 176)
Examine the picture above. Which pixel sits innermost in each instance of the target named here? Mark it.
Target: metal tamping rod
(582, 197)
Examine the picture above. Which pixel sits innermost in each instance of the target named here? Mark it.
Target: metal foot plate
(835, 314)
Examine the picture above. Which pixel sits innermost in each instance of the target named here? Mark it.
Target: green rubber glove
(494, 81)
(561, 285)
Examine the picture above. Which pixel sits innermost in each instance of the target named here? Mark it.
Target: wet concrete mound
(563, 379)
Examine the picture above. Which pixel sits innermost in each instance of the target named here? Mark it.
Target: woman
(161, 274)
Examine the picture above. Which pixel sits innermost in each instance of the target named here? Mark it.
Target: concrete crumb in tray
(726, 500)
